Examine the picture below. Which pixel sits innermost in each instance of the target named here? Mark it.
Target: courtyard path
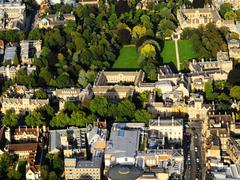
(177, 54)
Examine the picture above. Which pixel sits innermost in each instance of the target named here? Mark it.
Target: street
(194, 155)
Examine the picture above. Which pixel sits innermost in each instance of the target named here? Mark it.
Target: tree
(142, 116)
(124, 36)
(99, 105)
(82, 79)
(13, 174)
(223, 97)
(148, 51)
(10, 119)
(52, 176)
(40, 94)
(15, 60)
(210, 96)
(70, 107)
(44, 172)
(57, 164)
(5, 162)
(230, 15)
(34, 119)
(139, 31)
(60, 120)
(225, 7)
(235, 92)
(126, 109)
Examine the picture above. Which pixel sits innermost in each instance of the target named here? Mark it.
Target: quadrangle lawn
(128, 58)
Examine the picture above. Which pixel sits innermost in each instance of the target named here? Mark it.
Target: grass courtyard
(128, 58)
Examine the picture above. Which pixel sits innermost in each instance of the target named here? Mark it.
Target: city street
(195, 164)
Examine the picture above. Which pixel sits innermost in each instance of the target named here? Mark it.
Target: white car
(197, 160)
(196, 149)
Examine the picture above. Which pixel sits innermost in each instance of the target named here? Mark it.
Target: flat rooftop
(123, 142)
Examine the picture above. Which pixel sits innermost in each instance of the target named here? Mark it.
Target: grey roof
(124, 172)
(10, 53)
(123, 142)
(76, 133)
(95, 162)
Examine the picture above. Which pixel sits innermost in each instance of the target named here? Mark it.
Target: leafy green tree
(40, 94)
(99, 105)
(54, 39)
(16, 60)
(45, 76)
(52, 176)
(70, 107)
(58, 164)
(10, 119)
(224, 8)
(82, 78)
(126, 109)
(60, 120)
(230, 15)
(13, 174)
(235, 92)
(35, 119)
(223, 97)
(142, 116)
(210, 96)
(5, 162)
(44, 172)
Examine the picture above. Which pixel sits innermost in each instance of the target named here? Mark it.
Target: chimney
(172, 120)
(159, 120)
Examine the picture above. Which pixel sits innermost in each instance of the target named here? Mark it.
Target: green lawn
(128, 58)
(169, 53)
(186, 51)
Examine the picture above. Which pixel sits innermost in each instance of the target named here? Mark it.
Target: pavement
(177, 55)
(195, 166)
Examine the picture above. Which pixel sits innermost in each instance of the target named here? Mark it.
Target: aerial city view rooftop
(120, 90)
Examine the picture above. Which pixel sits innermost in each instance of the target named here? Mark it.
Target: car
(195, 136)
(196, 149)
(197, 160)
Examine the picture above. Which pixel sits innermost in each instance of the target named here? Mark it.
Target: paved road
(177, 54)
(196, 166)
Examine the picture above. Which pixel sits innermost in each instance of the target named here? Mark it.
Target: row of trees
(207, 41)
(221, 93)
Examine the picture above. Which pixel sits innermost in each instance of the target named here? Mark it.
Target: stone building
(84, 169)
(54, 20)
(117, 84)
(23, 134)
(233, 149)
(12, 14)
(73, 95)
(234, 48)
(29, 49)
(9, 72)
(193, 18)
(170, 128)
(21, 102)
(234, 3)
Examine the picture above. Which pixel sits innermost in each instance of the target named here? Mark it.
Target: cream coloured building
(54, 20)
(22, 105)
(170, 128)
(12, 14)
(234, 48)
(193, 18)
(84, 169)
(9, 72)
(234, 3)
(29, 49)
